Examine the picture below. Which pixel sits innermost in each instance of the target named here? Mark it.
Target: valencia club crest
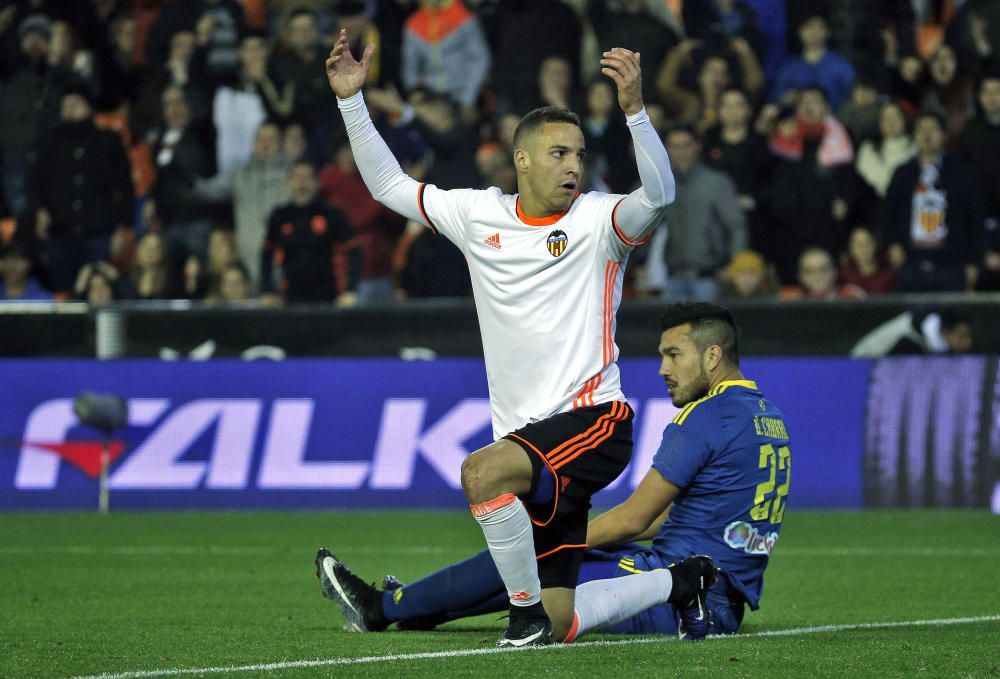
(556, 242)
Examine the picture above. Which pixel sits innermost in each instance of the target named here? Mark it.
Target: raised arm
(383, 176)
(639, 213)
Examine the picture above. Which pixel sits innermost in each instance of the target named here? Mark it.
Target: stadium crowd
(192, 149)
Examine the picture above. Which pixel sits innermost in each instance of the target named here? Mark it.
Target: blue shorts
(726, 607)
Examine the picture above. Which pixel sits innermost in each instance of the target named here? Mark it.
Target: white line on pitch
(371, 659)
(228, 550)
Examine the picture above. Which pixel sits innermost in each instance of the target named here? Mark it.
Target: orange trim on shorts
(571, 443)
(555, 476)
(423, 212)
(595, 440)
(559, 548)
(484, 508)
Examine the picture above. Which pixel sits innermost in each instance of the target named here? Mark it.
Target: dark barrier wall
(450, 328)
(393, 433)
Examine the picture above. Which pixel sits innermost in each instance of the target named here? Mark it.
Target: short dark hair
(534, 120)
(933, 115)
(711, 324)
(951, 319)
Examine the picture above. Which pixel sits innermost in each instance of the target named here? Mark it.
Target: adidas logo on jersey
(493, 241)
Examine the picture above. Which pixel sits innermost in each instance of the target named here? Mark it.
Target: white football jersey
(547, 292)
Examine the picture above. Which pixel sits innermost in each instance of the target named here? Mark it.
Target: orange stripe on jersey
(618, 231)
(573, 442)
(542, 221)
(560, 548)
(618, 413)
(580, 399)
(611, 270)
(423, 212)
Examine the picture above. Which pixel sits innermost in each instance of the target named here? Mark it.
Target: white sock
(601, 603)
(507, 528)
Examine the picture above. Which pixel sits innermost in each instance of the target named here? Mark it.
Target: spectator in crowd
(181, 70)
(748, 276)
(648, 28)
(772, 20)
(294, 142)
(183, 152)
(154, 275)
(706, 225)
(607, 139)
(947, 93)
(308, 242)
(100, 283)
(979, 149)
(555, 84)
(301, 61)
(16, 282)
(717, 23)
(878, 158)
(377, 228)
(437, 120)
(81, 192)
(203, 278)
(429, 266)
(859, 113)
(879, 34)
(244, 101)
(814, 183)
(495, 167)
(818, 279)
(525, 32)
(701, 107)
(817, 65)
(29, 106)
(66, 52)
(234, 287)
(365, 23)
(122, 76)
(927, 332)
(219, 27)
(865, 265)
(445, 51)
(735, 149)
(255, 189)
(932, 217)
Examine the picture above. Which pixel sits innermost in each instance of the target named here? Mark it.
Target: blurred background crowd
(192, 149)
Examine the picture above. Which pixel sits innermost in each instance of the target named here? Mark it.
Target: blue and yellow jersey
(729, 455)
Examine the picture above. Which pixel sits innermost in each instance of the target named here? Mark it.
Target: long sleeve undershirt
(637, 216)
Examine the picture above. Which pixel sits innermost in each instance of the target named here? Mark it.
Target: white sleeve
(639, 213)
(383, 176)
(438, 210)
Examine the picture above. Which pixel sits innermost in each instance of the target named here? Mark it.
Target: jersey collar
(722, 386)
(543, 221)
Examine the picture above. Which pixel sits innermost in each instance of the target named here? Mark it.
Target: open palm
(347, 75)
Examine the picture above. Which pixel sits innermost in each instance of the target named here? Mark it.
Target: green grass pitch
(134, 593)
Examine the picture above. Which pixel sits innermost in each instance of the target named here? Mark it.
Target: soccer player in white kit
(547, 267)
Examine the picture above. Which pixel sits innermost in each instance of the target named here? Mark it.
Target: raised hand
(622, 66)
(346, 75)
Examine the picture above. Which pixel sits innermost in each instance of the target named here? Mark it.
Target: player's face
(554, 165)
(682, 366)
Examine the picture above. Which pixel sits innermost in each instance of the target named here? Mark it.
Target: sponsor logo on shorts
(743, 536)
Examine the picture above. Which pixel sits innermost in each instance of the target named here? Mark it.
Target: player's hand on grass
(347, 75)
(622, 66)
